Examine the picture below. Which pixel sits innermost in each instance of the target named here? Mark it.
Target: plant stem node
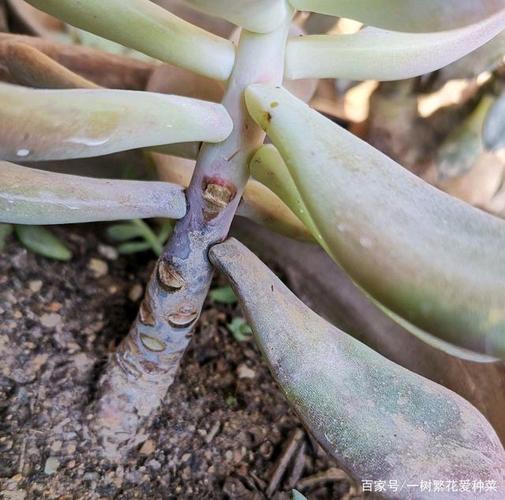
(168, 277)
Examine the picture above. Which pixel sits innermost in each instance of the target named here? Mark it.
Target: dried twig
(280, 466)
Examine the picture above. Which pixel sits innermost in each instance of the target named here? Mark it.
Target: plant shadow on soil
(223, 432)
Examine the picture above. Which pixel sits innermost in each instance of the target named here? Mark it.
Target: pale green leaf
(271, 168)
(123, 232)
(31, 196)
(223, 295)
(426, 256)
(144, 26)
(79, 123)
(376, 54)
(240, 330)
(134, 247)
(268, 167)
(41, 241)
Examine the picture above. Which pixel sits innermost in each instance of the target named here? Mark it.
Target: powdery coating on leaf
(428, 257)
(379, 420)
(29, 196)
(81, 123)
(376, 54)
(144, 26)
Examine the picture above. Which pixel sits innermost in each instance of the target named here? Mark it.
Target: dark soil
(224, 431)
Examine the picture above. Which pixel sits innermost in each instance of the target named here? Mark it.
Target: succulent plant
(430, 262)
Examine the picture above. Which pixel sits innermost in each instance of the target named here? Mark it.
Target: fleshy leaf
(352, 398)
(314, 278)
(63, 124)
(41, 241)
(376, 54)
(269, 166)
(261, 16)
(426, 256)
(30, 196)
(31, 67)
(144, 26)
(406, 15)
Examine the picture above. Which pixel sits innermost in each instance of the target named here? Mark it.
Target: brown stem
(143, 368)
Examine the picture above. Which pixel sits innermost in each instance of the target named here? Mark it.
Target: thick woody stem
(143, 368)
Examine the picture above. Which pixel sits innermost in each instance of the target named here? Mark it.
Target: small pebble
(52, 464)
(35, 286)
(148, 447)
(136, 292)
(110, 253)
(56, 446)
(50, 320)
(154, 464)
(98, 267)
(243, 371)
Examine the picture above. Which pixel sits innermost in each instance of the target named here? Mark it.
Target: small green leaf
(41, 241)
(231, 401)
(149, 236)
(123, 232)
(223, 295)
(134, 247)
(5, 232)
(240, 330)
(296, 495)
